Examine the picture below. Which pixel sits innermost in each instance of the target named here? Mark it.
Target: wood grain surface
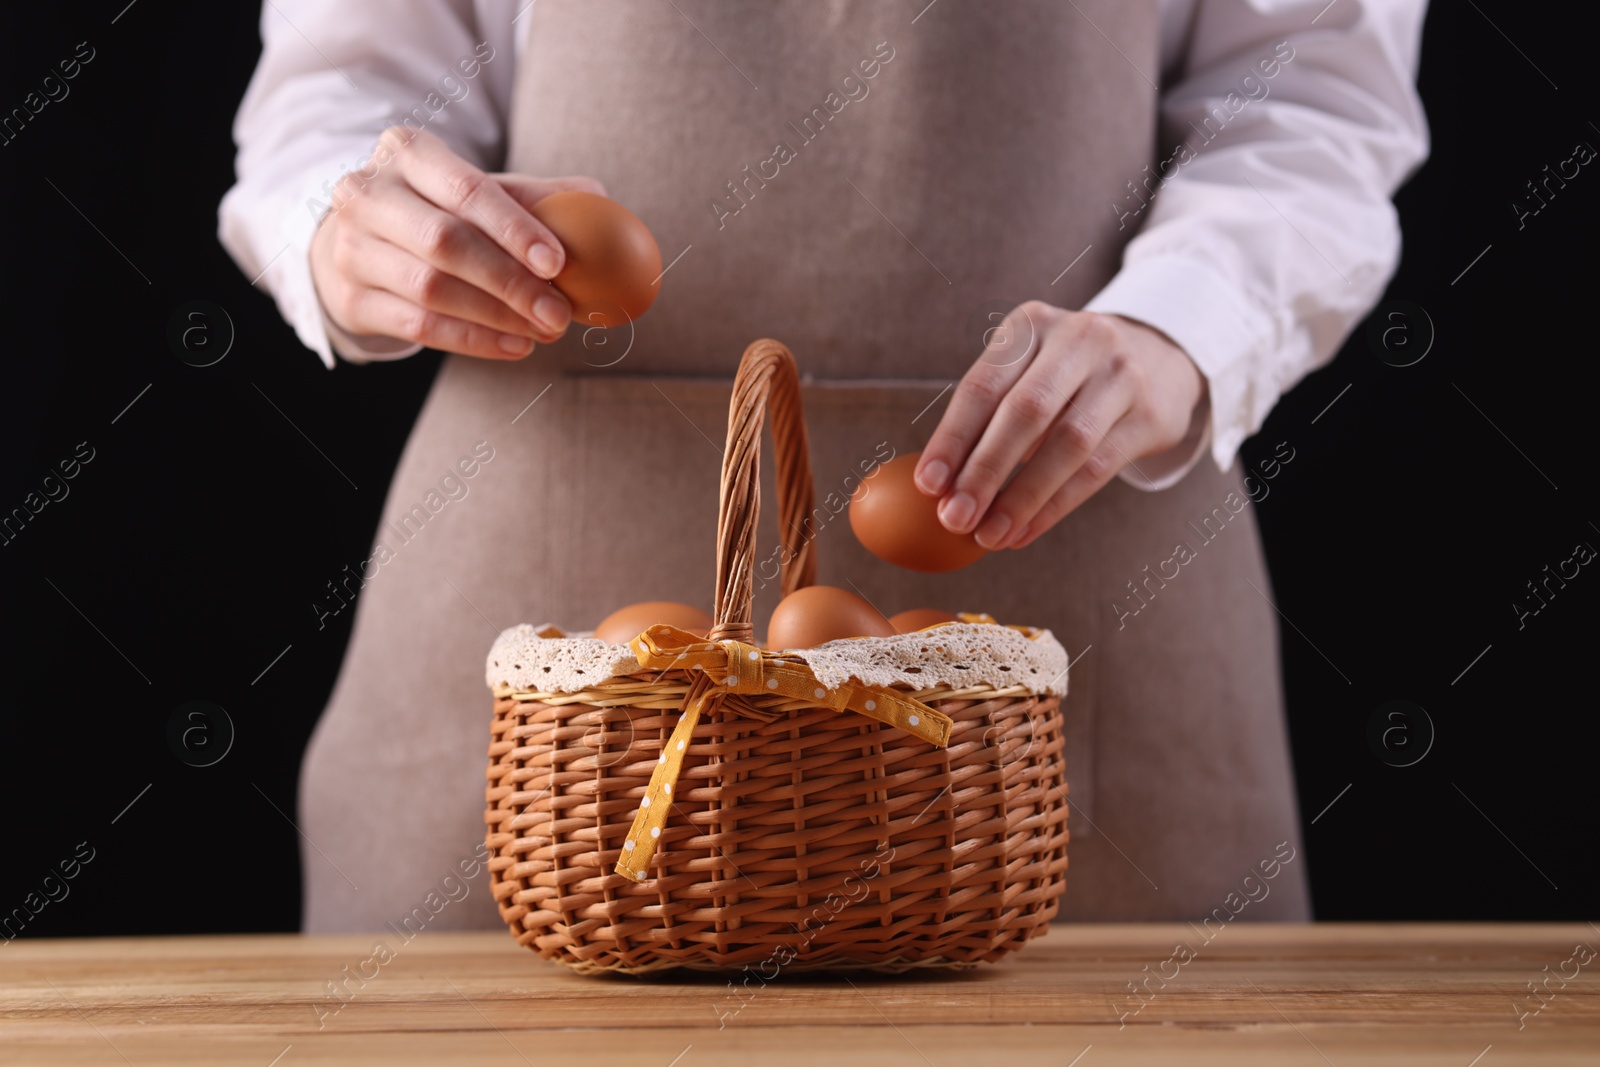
(1451, 995)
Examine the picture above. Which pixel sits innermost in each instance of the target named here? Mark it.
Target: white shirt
(1265, 247)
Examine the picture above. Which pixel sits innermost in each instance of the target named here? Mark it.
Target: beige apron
(871, 190)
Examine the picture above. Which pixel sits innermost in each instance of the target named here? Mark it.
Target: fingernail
(956, 514)
(993, 531)
(551, 312)
(931, 479)
(516, 346)
(544, 259)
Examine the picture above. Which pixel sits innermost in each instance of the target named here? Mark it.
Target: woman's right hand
(434, 251)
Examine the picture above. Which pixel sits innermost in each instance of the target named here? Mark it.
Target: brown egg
(627, 623)
(613, 265)
(919, 619)
(895, 522)
(818, 613)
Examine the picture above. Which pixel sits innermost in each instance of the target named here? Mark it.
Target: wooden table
(1256, 994)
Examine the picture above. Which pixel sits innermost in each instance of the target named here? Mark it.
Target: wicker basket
(800, 835)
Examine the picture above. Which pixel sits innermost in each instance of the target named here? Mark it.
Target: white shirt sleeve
(333, 75)
(1269, 234)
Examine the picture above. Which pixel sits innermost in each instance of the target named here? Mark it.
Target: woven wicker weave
(814, 840)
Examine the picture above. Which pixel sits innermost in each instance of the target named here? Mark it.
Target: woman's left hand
(1070, 396)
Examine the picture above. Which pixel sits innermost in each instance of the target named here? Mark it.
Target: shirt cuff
(1224, 333)
(275, 256)
(279, 256)
(1166, 469)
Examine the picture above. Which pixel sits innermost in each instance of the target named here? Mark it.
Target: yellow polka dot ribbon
(732, 667)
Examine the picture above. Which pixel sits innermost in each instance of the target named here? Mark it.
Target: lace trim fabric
(544, 659)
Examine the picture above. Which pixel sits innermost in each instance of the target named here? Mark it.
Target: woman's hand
(1070, 396)
(435, 251)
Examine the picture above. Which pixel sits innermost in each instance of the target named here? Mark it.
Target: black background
(189, 550)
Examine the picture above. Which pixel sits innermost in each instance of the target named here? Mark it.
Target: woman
(909, 197)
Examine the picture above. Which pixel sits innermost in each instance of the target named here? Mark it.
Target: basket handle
(768, 380)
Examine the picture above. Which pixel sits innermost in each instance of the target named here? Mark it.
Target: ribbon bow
(732, 667)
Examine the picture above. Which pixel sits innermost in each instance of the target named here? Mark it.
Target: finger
(529, 191)
(462, 250)
(1008, 349)
(375, 263)
(393, 316)
(1103, 464)
(435, 172)
(1071, 441)
(1023, 417)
